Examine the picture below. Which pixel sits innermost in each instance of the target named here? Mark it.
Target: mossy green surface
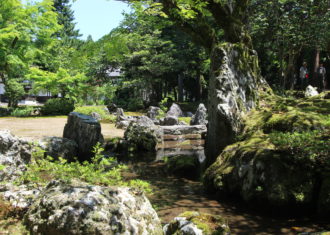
(185, 119)
(207, 223)
(281, 156)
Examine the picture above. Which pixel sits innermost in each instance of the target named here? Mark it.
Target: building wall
(2, 88)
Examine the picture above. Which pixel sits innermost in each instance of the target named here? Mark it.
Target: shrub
(88, 110)
(99, 171)
(58, 106)
(25, 111)
(4, 112)
(135, 104)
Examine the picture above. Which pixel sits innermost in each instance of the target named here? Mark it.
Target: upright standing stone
(200, 117)
(175, 111)
(85, 131)
(233, 90)
(153, 112)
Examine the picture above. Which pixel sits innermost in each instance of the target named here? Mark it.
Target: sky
(98, 17)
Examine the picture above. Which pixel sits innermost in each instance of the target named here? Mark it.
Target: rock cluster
(123, 121)
(85, 131)
(86, 209)
(153, 112)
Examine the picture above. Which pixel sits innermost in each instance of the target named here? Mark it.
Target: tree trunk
(198, 86)
(316, 65)
(180, 88)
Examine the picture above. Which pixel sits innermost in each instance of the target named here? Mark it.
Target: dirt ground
(36, 128)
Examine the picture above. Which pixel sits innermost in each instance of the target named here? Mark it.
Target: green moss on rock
(281, 157)
(207, 223)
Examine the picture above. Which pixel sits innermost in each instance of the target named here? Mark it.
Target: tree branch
(197, 28)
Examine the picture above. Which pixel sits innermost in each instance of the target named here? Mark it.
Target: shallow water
(173, 195)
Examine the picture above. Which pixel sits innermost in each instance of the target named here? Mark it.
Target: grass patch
(139, 113)
(185, 119)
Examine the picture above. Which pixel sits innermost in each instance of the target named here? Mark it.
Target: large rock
(96, 116)
(123, 121)
(21, 196)
(175, 111)
(310, 91)
(153, 112)
(196, 223)
(15, 153)
(84, 209)
(170, 121)
(59, 147)
(112, 108)
(233, 91)
(257, 172)
(142, 135)
(200, 117)
(85, 131)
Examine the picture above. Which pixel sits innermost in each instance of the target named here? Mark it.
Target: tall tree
(25, 31)
(65, 18)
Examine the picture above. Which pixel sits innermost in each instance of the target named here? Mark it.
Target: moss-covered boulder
(142, 135)
(281, 159)
(196, 223)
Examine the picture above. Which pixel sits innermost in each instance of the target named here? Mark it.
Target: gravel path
(36, 128)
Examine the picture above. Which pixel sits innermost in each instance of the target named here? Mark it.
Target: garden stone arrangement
(85, 131)
(165, 137)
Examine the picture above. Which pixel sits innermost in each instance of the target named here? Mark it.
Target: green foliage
(24, 111)
(14, 92)
(88, 110)
(100, 171)
(58, 106)
(165, 103)
(69, 84)
(26, 32)
(2, 167)
(135, 104)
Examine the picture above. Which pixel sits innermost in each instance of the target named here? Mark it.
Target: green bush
(311, 145)
(25, 111)
(135, 104)
(88, 110)
(4, 112)
(58, 106)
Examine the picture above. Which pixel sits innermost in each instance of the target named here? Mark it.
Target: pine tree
(66, 19)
